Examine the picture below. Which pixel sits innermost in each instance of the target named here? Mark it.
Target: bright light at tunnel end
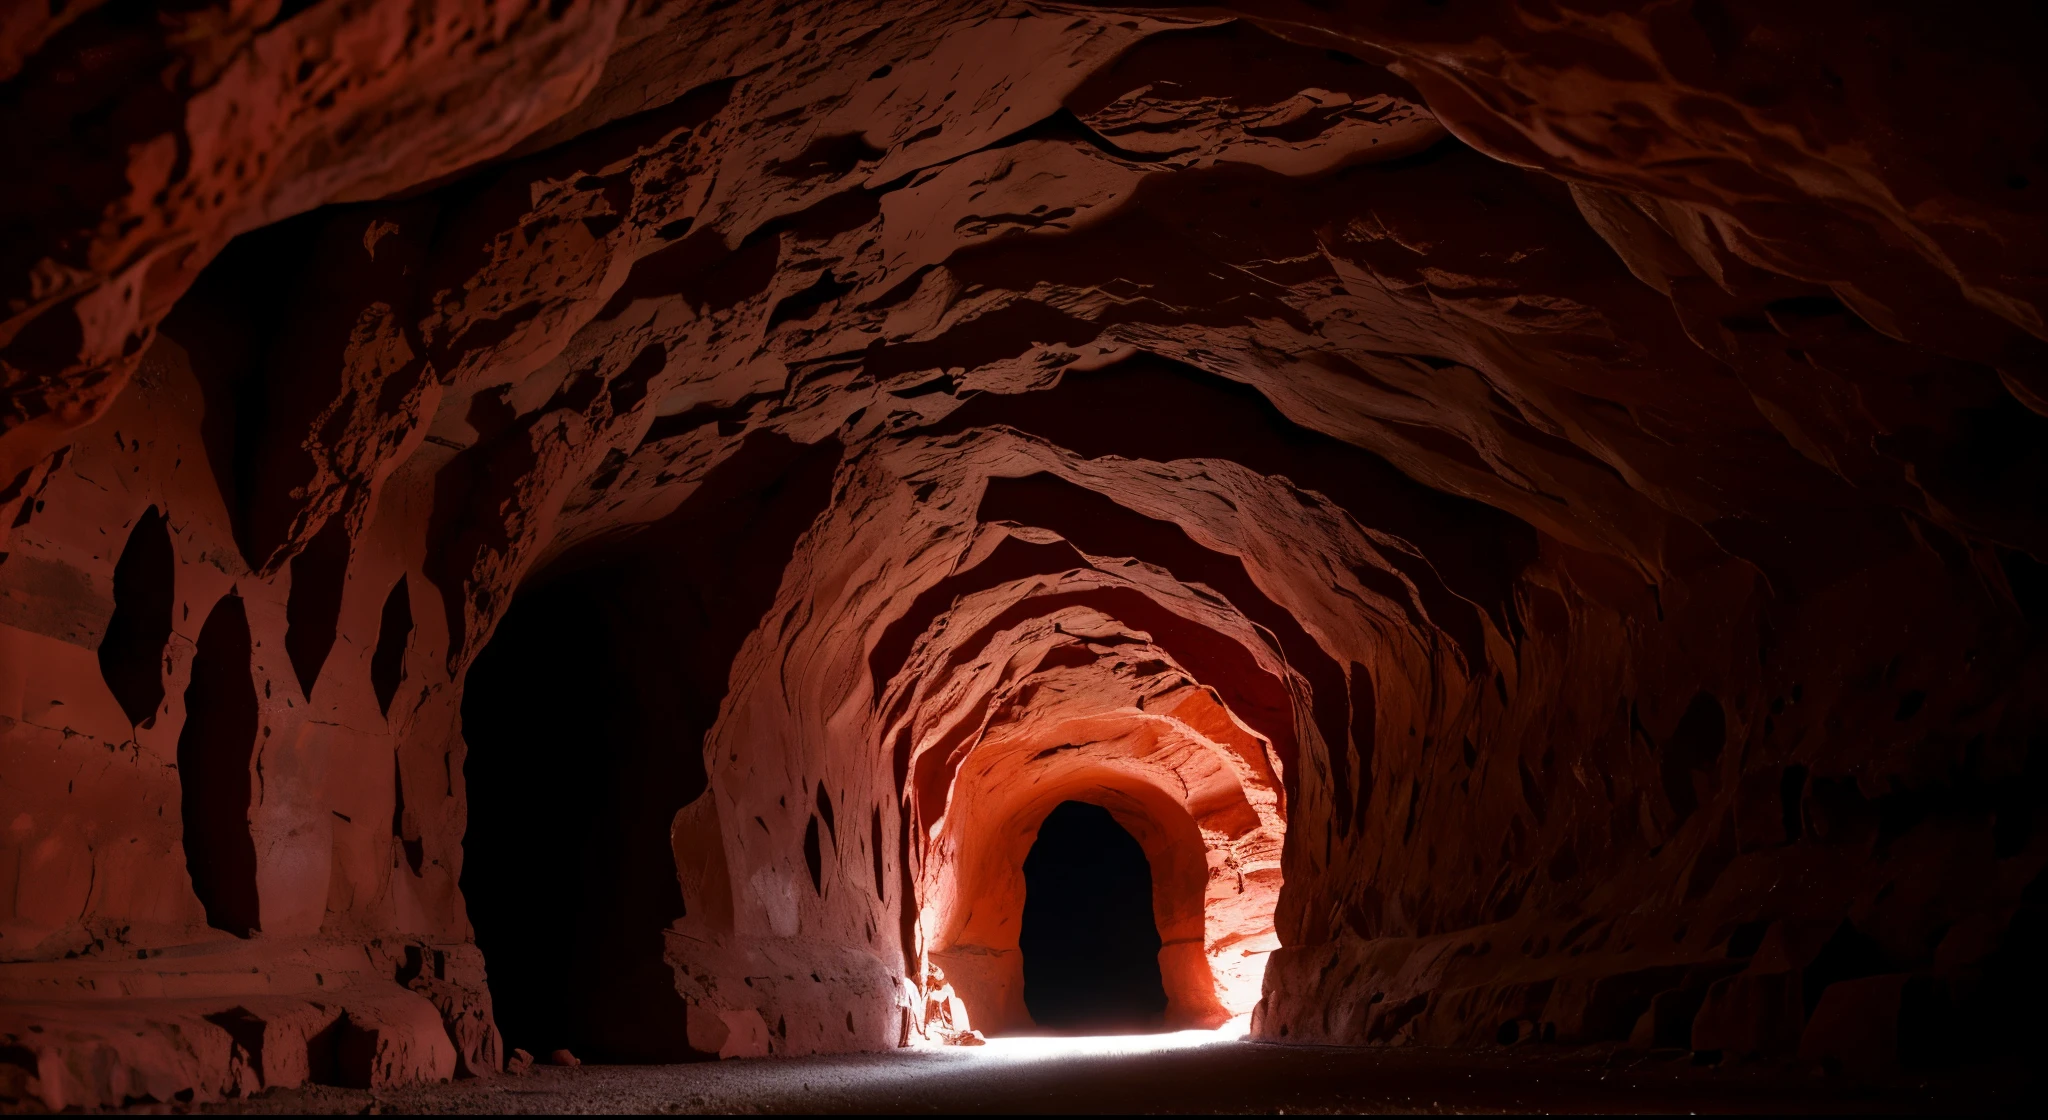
(1033, 1048)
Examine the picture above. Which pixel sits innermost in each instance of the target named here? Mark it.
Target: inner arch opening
(1090, 946)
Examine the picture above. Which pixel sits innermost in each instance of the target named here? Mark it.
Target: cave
(1136, 556)
(565, 873)
(1090, 947)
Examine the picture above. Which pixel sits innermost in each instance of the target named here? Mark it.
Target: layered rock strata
(612, 521)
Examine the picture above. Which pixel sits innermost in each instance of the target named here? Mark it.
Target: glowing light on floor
(1034, 1048)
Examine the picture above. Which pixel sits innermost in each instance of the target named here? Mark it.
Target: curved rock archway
(1176, 789)
(1532, 518)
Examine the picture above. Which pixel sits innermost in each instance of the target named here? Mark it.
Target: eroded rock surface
(615, 520)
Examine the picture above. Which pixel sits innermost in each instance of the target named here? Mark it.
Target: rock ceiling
(1531, 512)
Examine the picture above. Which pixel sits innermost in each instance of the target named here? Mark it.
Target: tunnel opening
(566, 870)
(1089, 942)
(1174, 768)
(585, 716)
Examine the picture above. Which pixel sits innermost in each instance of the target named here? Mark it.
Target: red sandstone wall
(1596, 457)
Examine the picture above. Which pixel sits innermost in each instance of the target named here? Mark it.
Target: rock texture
(614, 520)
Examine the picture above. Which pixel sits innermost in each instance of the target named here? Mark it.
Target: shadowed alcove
(584, 718)
(566, 870)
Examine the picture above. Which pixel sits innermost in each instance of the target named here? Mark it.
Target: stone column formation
(1531, 514)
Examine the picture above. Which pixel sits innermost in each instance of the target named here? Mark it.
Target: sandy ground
(1184, 1074)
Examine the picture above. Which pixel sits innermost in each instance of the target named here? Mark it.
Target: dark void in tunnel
(1091, 949)
(214, 750)
(585, 718)
(549, 869)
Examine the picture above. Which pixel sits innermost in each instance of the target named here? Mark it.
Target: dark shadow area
(227, 323)
(585, 717)
(394, 632)
(214, 749)
(313, 613)
(548, 717)
(1091, 949)
(132, 649)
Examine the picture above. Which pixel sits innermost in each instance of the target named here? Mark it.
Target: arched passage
(1114, 722)
(1090, 947)
(566, 872)
(584, 718)
(1601, 459)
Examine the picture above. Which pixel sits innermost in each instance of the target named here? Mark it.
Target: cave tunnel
(601, 538)
(582, 713)
(1090, 947)
(565, 872)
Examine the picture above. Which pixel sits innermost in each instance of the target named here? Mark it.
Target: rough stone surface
(1220, 1077)
(615, 520)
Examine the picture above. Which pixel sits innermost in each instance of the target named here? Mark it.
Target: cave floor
(1163, 1074)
